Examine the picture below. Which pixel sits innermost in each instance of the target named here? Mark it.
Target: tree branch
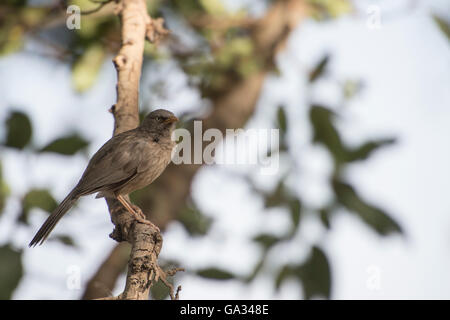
(232, 109)
(145, 240)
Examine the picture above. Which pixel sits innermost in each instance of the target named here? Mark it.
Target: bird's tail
(53, 219)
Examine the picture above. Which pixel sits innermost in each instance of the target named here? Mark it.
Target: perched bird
(128, 161)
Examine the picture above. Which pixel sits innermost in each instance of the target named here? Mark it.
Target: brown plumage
(128, 161)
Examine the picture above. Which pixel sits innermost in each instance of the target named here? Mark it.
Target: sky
(405, 68)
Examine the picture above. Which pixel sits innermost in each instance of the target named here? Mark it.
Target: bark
(167, 195)
(145, 239)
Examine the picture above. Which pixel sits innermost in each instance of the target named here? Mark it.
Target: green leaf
(443, 25)
(4, 190)
(37, 198)
(12, 38)
(159, 290)
(284, 273)
(65, 239)
(364, 151)
(256, 270)
(325, 133)
(295, 207)
(68, 145)
(19, 130)
(281, 120)
(194, 221)
(327, 9)
(266, 240)
(281, 196)
(86, 69)
(325, 214)
(278, 197)
(315, 275)
(215, 273)
(376, 218)
(11, 271)
(350, 88)
(4, 193)
(319, 69)
(213, 7)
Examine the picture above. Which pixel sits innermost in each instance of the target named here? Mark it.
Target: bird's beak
(171, 119)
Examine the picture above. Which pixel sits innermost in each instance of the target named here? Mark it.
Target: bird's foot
(140, 217)
(136, 212)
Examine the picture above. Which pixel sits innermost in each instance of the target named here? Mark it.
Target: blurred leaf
(295, 211)
(319, 69)
(4, 193)
(235, 51)
(37, 198)
(266, 240)
(11, 271)
(365, 150)
(4, 190)
(188, 7)
(159, 290)
(285, 272)
(350, 88)
(65, 239)
(68, 145)
(256, 269)
(376, 218)
(277, 197)
(19, 130)
(337, 8)
(153, 6)
(195, 222)
(315, 275)
(86, 69)
(283, 197)
(93, 26)
(325, 214)
(213, 7)
(443, 25)
(281, 120)
(215, 273)
(33, 16)
(326, 9)
(11, 39)
(325, 133)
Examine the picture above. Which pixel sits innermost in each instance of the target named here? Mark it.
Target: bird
(127, 162)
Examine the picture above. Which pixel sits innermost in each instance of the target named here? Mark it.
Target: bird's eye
(158, 118)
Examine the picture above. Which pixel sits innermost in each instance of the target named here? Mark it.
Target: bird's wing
(116, 162)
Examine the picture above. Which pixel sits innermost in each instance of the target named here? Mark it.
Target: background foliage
(224, 53)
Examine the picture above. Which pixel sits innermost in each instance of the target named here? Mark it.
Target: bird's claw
(140, 217)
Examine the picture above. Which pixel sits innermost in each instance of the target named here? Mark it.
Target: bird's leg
(138, 215)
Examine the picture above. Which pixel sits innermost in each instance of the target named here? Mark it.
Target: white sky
(405, 67)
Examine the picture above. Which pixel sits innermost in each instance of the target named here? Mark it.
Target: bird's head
(161, 121)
